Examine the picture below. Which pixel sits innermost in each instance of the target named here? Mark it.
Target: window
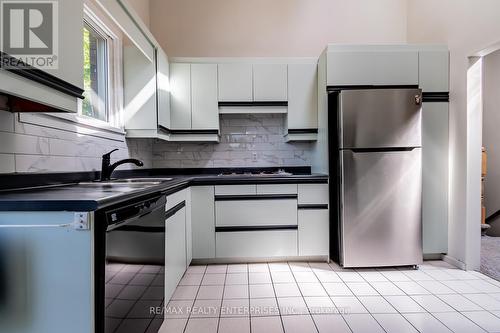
(95, 78)
(102, 69)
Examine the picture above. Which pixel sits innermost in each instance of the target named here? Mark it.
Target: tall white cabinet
(180, 100)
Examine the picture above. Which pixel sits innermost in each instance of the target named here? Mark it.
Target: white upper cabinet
(139, 81)
(163, 88)
(433, 70)
(371, 65)
(302, 96)
(269, 82)
(205, 109)
(235, 82)
(180, 99)
(69, 66)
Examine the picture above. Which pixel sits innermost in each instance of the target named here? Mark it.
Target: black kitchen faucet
(107, 168)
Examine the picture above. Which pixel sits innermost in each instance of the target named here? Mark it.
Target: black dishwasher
(130, 266)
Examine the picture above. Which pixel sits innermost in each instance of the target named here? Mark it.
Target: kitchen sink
(130, 182)
(140, 180)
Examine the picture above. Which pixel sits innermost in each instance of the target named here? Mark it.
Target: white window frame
(98, 20)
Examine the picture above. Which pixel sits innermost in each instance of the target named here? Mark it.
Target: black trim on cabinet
(37, 75)
(256, 228)
(367, 86)
(255, 197)
(302, 130)
(138, 228)
(443, 96)
(189, 131)
(313, 206)
(171, 212)
(254, 103)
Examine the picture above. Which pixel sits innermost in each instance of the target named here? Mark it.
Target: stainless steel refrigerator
(375, 167)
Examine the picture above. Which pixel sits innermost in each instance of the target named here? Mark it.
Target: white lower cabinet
(175, 250)
(313, 194)
(235, 189)
(313, 232)
(262, 243)
(277, 189)
(256, 212)
(203, 222)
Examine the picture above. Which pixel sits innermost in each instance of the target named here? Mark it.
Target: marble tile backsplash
(31, 147)
(246, 140)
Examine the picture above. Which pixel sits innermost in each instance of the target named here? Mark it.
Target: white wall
(491, 134)
(467, 27)
(202, 28)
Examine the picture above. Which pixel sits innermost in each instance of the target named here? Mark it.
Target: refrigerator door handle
(381, 150)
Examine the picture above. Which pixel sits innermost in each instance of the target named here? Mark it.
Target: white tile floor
(319, 297)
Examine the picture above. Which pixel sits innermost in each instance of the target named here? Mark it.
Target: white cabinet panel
(118, 13)
(256, 212)
(276, 188)
(47, 278)
(270, 82)
(205, 108)
(313, 232)
(163, 86)
(313, 194)
(139, 80)
(435, 177)
(175, 251)
(372, 68)
(235, 189)
(433, 70)
(189, 228)
(203, 221)
(235, 82)
(176, 198)
(180, 99)
(266, 243)
(302, 96)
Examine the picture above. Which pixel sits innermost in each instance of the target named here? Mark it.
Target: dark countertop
(85, 197)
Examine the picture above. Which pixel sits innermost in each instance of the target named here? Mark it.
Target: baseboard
(453, 261)
(243, 260)
(433, 256)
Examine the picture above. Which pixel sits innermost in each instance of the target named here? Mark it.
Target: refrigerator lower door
(381, 218)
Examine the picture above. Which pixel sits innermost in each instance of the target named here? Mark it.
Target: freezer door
(381, 219)
(379, 118)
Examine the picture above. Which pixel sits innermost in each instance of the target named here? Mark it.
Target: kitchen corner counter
(85, 197)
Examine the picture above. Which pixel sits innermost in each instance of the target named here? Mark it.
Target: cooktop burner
(279, 172)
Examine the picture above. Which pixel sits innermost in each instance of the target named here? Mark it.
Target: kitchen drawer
(256, 212)
(313, 194)
(313, 232)
(277, 189)
(176, 198)
(262, 243)
(235, 189)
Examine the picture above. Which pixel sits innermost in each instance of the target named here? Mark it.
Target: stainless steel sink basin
(130, 182)
(141, 180)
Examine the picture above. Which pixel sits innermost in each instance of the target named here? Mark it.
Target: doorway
(490, 173)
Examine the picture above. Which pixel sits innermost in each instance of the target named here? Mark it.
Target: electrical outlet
(81, 221)
(254, 157)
